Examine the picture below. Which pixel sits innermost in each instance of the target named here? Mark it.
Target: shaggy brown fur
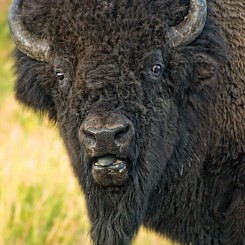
(186, 164)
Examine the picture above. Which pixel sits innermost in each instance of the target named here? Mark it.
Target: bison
(149, 98)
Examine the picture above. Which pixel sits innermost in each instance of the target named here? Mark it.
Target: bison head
(130, 87)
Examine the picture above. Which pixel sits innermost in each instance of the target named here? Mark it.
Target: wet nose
(112, 135)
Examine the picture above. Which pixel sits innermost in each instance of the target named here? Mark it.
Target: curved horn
(33, 46)
(191, 27)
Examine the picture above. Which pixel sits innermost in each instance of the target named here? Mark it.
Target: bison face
(123, 116)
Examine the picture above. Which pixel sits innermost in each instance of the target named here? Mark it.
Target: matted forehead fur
(77, 24)
(72, 25)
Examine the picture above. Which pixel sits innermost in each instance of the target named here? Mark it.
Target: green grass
(40, 200)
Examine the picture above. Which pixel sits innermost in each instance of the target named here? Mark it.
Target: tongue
(106, 160)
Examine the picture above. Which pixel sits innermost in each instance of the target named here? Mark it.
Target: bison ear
(32, 86)
(205, 68)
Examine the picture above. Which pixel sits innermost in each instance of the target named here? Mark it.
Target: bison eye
(157, 69)
(64, 82)
(60, 75)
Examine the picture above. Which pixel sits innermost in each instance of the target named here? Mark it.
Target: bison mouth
(108, 170)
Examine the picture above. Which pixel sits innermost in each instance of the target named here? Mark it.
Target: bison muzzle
(107, 138)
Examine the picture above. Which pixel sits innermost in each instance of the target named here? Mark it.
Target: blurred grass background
(40, 201)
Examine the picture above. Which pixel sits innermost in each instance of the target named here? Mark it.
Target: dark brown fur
(187, 174)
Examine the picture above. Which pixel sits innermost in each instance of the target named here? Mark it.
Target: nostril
(122, 134)
(89, 138)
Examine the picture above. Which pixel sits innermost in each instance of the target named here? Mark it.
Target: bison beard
(116, 216)
(149, 99)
